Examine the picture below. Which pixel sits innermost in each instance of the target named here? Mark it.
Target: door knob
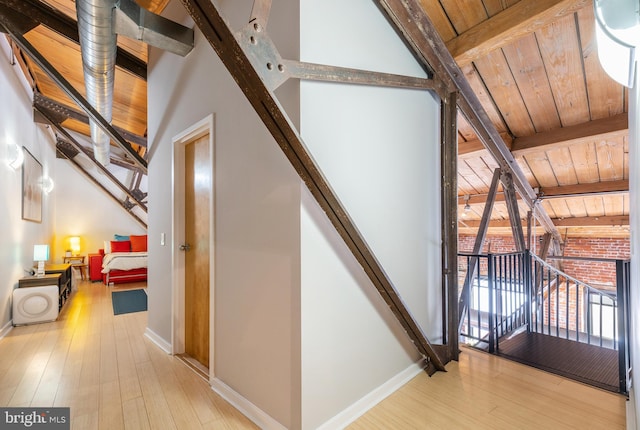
(185, 247)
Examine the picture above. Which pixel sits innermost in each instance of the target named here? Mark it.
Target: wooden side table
(77, 262)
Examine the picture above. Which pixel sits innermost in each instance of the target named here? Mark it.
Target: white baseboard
(6, 329)
(248, 409)
(359, 408)
(632, 417)
(159, 341)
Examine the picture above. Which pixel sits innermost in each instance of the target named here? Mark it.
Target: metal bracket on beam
(274, 70)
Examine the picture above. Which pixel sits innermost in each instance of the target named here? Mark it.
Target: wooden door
(198, 171)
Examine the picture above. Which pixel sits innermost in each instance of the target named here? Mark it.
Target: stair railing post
(621, 304)
(493, 340)
(527, 288)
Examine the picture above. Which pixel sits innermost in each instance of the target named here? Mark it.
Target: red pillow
(138, 243)
(120, 246)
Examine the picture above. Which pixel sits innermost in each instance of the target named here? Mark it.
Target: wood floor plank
(112, 377)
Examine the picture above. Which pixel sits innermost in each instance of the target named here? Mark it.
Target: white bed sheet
(124, 261)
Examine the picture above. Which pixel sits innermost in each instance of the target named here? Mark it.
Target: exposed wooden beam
(449, 214)
(621, 220)
(325, 73)
(502, 29)
(475, 148)
(598, 129)
(605, 128)
(585, 190)
(62, 24)
(566, 191)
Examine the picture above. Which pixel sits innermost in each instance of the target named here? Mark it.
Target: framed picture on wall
(31, 189)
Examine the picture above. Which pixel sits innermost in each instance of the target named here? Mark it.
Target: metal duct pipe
(98, 47)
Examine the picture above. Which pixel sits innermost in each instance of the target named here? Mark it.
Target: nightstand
(77, 262)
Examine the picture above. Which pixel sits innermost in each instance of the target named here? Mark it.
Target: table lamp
(40, 254)
(74, 244)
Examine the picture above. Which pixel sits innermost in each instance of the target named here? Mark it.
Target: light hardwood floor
(112, 377)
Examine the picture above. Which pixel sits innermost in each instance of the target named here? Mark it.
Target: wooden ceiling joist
(599, 129)
(522, 18)
(592, 131)
(44, 14)
(566, 191)
(621, 220)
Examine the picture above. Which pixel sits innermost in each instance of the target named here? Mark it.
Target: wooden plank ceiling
(532, 63)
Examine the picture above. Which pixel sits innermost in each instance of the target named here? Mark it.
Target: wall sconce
(618, 36)
(15, 156)
(47, 184)
(40, 254)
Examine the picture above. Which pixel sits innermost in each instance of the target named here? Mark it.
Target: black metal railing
(563, 306)
(496, 298)
(505, 293)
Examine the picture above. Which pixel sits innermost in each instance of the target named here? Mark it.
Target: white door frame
(206, 125)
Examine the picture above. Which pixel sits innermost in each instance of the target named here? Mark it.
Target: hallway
(112, 377)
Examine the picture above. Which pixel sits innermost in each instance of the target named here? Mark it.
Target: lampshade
(40, 252)
(74, 244)
(618, 36)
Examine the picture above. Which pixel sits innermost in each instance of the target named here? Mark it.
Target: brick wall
(597, 274)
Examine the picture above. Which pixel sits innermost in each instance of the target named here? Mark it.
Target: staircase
(526, 309)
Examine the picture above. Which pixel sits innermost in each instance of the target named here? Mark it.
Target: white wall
(634, 224)
(257, 234)
(379, 149)
(85, 210)
(19, 236)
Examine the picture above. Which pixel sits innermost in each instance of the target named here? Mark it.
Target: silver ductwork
(98, 23)
(98, 47)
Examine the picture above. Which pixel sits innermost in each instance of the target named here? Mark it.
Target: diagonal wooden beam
(477, 246)
(88, 154)
(69, 113)
(504, 28)
(221, 38)
(514, 212)
(413, 24)
(41, 13)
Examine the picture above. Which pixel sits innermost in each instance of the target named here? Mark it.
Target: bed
(121, 260)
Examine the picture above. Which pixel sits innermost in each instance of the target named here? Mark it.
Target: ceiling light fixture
(467, 206)
(618, 36)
